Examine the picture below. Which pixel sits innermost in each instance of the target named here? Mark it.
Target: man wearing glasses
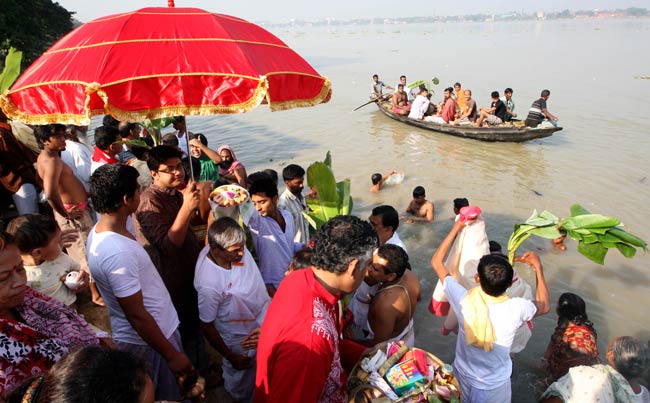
(163, 228)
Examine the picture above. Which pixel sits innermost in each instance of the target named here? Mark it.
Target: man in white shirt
(420, 105)
(143, 319)
(232, 304)
(293, 201)
(77, 156)
(488, 321)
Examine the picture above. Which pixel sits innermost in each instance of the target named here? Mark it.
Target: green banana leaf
(628, 238)
(586, 221)
(333, 197)
(626, 250)
(546, 232)
(328, 160)
(593, 251)
(11, 70)
(321, 178)
(577, 209)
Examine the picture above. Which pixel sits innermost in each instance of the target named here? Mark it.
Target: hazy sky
(285, 10)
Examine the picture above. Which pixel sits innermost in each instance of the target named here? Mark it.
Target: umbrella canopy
(158, 62)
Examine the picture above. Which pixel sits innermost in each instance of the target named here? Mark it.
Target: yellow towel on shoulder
(478, 328)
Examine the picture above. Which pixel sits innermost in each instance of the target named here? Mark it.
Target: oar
(372, 101)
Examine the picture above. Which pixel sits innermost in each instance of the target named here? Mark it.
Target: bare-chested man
(420, 207)
(400, 101)
(390, 317)
(65, 194)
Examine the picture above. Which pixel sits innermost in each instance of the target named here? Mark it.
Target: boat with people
(515, 132)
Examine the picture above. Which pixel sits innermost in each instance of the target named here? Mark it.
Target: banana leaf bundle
(595, 233)
(334, 197)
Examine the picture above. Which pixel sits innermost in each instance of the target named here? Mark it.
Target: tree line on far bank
(32, 27)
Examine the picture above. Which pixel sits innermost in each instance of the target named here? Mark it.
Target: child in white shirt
(38, 238)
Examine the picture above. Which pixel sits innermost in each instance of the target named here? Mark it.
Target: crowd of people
(457, 106)
(289, 309)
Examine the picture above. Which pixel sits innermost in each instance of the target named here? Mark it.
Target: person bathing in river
(378, 180)
(495, 114)
(448, 113)
(420, 207)
(400, 101)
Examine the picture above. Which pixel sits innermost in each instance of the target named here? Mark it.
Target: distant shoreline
(481, 17)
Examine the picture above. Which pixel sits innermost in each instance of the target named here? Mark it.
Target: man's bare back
(59, 182)
(389, 312)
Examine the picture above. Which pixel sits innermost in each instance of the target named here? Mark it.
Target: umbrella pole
(189, 156)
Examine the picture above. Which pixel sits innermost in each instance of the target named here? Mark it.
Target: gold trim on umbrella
(96, 45)
(323, 97)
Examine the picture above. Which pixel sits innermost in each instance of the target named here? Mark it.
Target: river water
(599, 160)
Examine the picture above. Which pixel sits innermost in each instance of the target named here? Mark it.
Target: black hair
(402, 76)
(376, 178)
(398, 260)
(109, 184)
(139, 151)
(292, 171)
(508, 91)
(125, 130)
(418, 191)
(341, 240)
(495, 247)
(495, 274)
(495, 94)
(450, 90)
(105, 136)
(31, 231)
(572, 308)
(110, 121)
(44, 132)
(389, 216)
(264, 185)
(169, 139)
(90, 375)
(178, 119)
(256, 176)
(457, 84)
(460, 202)
(375, 75)
(200, 136)
(159, 154)
(302, 259)
(545, 93)
(273, 174)
(400, 85)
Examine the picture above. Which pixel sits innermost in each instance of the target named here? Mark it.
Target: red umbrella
(158, 62)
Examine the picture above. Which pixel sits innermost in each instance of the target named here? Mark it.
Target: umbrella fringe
(323, 97)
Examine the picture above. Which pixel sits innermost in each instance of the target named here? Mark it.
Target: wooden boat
(515, 133)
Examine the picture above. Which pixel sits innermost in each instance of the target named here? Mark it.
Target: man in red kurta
(300, 355)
